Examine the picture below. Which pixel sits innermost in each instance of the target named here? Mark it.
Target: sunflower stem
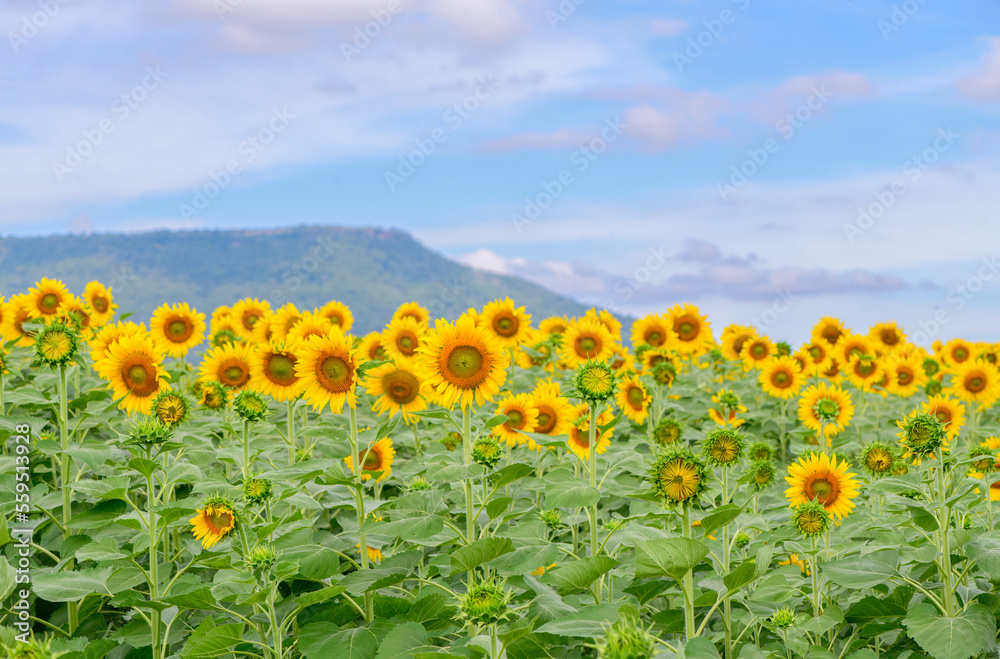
(154, 577)
(687, 583)
(494, 654)
(592, 463)
(989, 502)
(416, 438)
(727, 611)
(359, 499)
(291, 433)
(67, 465)
(814, 570)
(470, 519)
(946, 575)
(246, 450)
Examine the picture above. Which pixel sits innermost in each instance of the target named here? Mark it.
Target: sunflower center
(407, 344)
(781, 379)
(401, 387)
(370, 461)
(879, 461)
(904, 376)
(822, 489)
(250, 319)
(654, 337)
(336, 319)
(465, 362)
(975, 383)
(506, 326)
(179, 330)
(889, 337)
(218, 521)
(830, 333)
(139, 376)
(281, 369)
(49, 303)
(635, 397)
(758, 351)
(816, 353)
(864, 368)
(686, 329)
(100, 304)
(587, 346)
(960, 354)
(546, 420)
(334, 374)
(514, 418)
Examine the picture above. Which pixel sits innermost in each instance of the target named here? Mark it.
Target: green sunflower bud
(723, 447)
(783, 618)
(418, 483)
(678, 476)
(811, 519)
(552, 519)
(486, 451)
(667, 431)
(595, 382)
(486, 602)
(741, 540)
(257, 491)
(57, 343)
(261, 558)
(148, 431)
(250, 405)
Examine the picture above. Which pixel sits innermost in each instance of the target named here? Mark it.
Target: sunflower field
(263, 484)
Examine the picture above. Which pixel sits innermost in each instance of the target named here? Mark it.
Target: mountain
(371, 270)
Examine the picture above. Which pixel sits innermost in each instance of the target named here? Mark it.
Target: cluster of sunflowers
(671, 384)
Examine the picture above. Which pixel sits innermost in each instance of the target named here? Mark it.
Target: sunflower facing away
(228, 364)
(328, 366)
(178, 328)
(819, 477)
(101, 303)
(462, 362)
(272, 371)
(133, 367)
(509, 324)
(522, 415)
(377, 457)
(213, 522)
(397, 387)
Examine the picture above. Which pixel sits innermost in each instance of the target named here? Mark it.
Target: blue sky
(630, 154)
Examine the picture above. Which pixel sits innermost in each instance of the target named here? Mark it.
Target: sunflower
(956, 351)
(655, 330)
(328, 366)
(817, 355)
(811, 518)
(554, 411)
(828, 329)
(213, 395)
(170, 407)
(827, 407)
(781, 377)
(921, 435)
(906, 375)
(554, 325)
(622, 362)
(133, 367)
(653, 357)
(878, 458)
(47, 297)
(214, 521)
(667, 431)
(975, 381)
(802, 563)
(262, 331)
(832, 372)
(462, 362)
(398, 388)
(522, 415)
(272, 371)
(111, 333)
(16, 312)
(606, 318)
(819, 477)
(57, 344)
(728, 407)
(851, 345)
(415, 311)
(402, 338)
(310, 324)
(339, 315)
(693, 332)
(228, 364)
(536, 351)
(633, 399)
(733, 338)
(178, 327)
(283, 320)
(887, 336)
(756, 351)
(579, 434)
(246, 313)
(76, 313)
(101, 303)
(370, 348)
(864, 372)
(948, 411)
(509, 324)
(586, 340)
(722, 447)
(678, 476)
(375, 458)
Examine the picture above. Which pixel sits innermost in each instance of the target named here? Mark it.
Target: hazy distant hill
(370, 270)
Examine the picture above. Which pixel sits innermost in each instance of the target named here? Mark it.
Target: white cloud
(985, 86)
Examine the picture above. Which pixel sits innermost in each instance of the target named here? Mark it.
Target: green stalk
(291, 433)
(470, 518)
(154, 578)
(989, 502)
(727, 607)
(359, 499)
(946, 576)
(687, 584)
(246, 450)
(815, 576)
(65, 478)
(275, 630)
(494, 654)
(2, 411)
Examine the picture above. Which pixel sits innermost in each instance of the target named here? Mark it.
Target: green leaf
(71, 586)
(510, 473)
(740, 576)
(985, 551)
(318, 596)
(321, 563)
(6, 579)
(197, 599)
(700, 648)
(322, 640)
(386, 428)
(497, 506)
(872, 608)
(209, 640)
(669, 557)
(564, 490)
(496, 421)
(419, 527)
(526, 559)
(404, 641)
(362, 581)
(481, 551)
(587, 623)
(144, 466)
(970, 632)
(719, 518)
(104, 549)
(860, 571)
(578, 574)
